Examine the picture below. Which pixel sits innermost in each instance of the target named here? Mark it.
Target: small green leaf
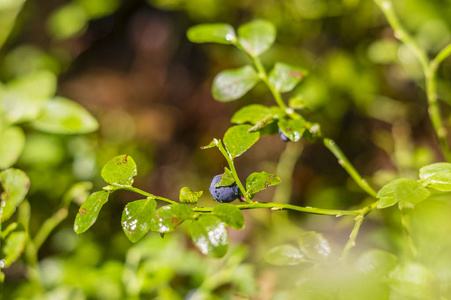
(230, 215)
(376, 262)
(293, 128)
(64, 116)
(67, 21)
(386, 194)
(231, 85)
(189, 196)
(136, 218)
(89, 211)
(257, 36)
(440, 181)
(284, 255)
(226, 178)
(251, 114)
(12, 141)
(314, 246)
(8, 13)
(409, 192)
(298, 102)
(238, 139)
(169, 217)
(13, 248)
(433, 169)
(212, 33)
(213, 143)
(15, 184)
(284, 77)
(120, 171)
(209, 235)
(259, 181)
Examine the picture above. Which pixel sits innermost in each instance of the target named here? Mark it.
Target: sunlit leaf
(433, 169)
(284, 77)
(211, 33)
(15, 184)
(169, 217)
(293, 128)
(298, 102)
(64, 116)
(120, 171)
(226, 178)
(213, 143)
(231, 85)
(440, 181)
(409, 192)
(386, 194)
(136, 218)
(251, 114)
(413, 281)
(376, 262)
(284, 255)
(238, 139)
(209, 235)
(8, 13)
(230, 215)
(12, 141)
(189, 196)
(14, 246)
(314, 246)
(259, 181)
(257, 36)
(98, 8)
(89, 211)
(67, 21)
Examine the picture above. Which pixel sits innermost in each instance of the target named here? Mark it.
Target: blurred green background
(130, 64)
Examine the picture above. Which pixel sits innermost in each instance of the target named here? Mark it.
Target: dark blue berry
(283, 137)
(224, 194)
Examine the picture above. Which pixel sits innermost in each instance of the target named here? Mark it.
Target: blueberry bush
(396, 222)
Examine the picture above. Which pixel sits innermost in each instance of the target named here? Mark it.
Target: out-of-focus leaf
(13, 248)
(238, 139)
(433, 169)
(120, 171)
(231, 85)
(284, 77)
(376, 262)
(257, 36)
(409, 192)
(67, 21)
(251, 114)
(9, 9)
(230, 215)
(440, 181)
(211, 33)
(189, 196)
(12, 141)
(413, 281)
(226, 178)
(293, 128)
(259, 181)
(98, 8)
(136, 218)
(15, 184)
(314, 246)
(284, 255)
(89, 211)
(386, 194)
(169, 217)
(298, 102)
(64, 116)
(209, 235)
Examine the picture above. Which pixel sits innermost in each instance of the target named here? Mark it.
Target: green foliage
(13, 141)
(227, 178)
(231, 85)
(169, 217)
(120, 171)
(137, 217)
(252, 114)
(209, 235)
(437, 176)
(257, 182)
(293, 128)
(229, 214)
(15, 184)
(89, 211)
(284, 255)
(212, 33)
(257, 36)
(238, 139)
(14, 246)
(189, 196)
(284, 77)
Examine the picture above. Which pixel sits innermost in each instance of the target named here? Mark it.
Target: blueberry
(283, 137)
(224, 194)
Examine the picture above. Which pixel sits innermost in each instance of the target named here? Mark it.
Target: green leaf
(257, 36)
(238, 139)
(386, 194)
(293, 128)
(226, 178)
(231, 85)
(8, 13)
(120, 171)
(433, 169)
(314, 246)
(230, 215)
(67, 21)
(189, 196)
(440, 181)
(213, 143)
(251, 114)
(259, 181)
(89, 211)
(13, 248)
(284, 255)
(413, 281)
(136, 218)
(12, 141)
(209, 235)
(64, 116)
(169, 217)
(376, 262)
(211, 33)
(15, 184)
(298, 102)
(409, 192)
(284, 77)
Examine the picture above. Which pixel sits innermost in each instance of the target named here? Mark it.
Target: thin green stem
(234, 173)
(144, 193)
(441, 56)
(48, 226)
